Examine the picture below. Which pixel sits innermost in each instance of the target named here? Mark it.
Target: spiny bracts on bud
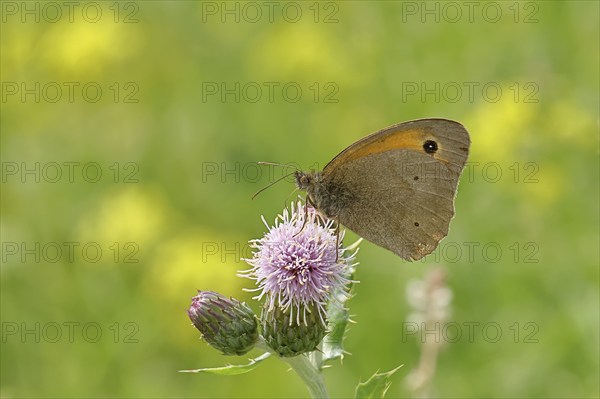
(291, 334)
(225, 323)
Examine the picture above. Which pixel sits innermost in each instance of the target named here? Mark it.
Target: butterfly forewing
(396, 187)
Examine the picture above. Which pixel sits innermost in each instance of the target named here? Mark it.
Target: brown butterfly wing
(388, 189)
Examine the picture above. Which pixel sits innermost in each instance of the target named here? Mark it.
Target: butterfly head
(316, 194)
(305, 180)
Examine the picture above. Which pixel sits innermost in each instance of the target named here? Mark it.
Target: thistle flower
(226, 324)
(298, 265)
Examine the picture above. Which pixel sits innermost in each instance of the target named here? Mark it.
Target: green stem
(307, 371)
(311, 376)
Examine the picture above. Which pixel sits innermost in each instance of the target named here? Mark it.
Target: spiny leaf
(338, 319)
(332, 344)
(231, 369)
(376, 386)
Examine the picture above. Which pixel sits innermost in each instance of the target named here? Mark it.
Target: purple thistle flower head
(297, 264)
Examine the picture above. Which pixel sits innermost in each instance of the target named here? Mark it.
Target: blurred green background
(171, 210)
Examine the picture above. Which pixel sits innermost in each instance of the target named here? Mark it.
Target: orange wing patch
(400, 140)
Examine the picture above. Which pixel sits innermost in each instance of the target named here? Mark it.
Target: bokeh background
(171, 211)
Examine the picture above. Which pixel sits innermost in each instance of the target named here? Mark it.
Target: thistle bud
(290, 335)
(225, 324)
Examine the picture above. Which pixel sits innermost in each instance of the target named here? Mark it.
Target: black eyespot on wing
(416, 178)
(416, 224)
(430, 147)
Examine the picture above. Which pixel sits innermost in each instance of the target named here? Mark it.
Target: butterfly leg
(337, 240)
(308, 201)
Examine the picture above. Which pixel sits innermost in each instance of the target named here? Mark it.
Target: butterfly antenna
(270, 184)
(276, 164)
